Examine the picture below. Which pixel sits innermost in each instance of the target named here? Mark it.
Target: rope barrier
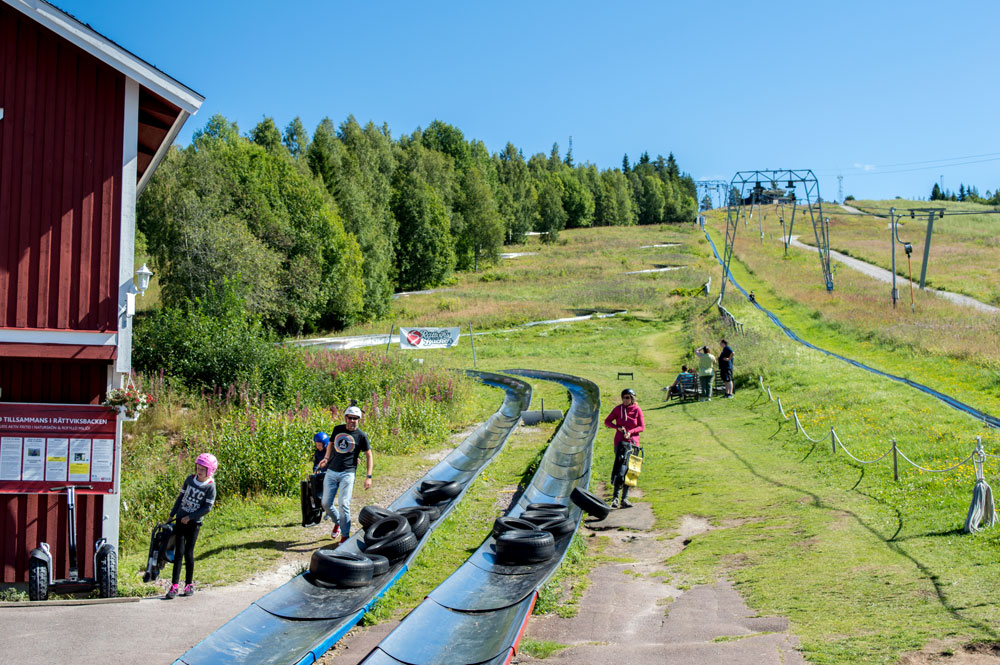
(798, 426)
(981, 511)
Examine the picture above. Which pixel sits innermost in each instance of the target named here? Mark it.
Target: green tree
(481, 229)
(517, 200)
(426, 256)
(654, 200)
(706, 202)
(296, 138)
(266, 135)
(356, 166)
(445, 138)
(226, 207)
(577, 201)
(936, 194)
(551, 215)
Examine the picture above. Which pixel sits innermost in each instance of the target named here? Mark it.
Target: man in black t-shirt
(726, 368)
(341, 462)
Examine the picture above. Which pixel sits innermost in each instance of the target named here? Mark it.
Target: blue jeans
(340, 485)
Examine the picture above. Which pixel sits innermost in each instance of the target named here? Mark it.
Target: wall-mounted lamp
(138, 287)
(142, 279)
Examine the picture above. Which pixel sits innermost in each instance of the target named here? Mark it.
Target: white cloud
(864, 167)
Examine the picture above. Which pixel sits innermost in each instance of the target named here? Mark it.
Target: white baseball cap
(353, 411)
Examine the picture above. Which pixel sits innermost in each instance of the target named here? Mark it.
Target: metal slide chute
(300, 620)
(479, 613)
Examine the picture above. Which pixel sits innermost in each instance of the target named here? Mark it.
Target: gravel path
(884, 275)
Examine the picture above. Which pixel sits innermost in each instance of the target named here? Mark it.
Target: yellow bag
(634, 463)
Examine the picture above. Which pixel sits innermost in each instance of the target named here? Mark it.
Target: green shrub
(216, 344)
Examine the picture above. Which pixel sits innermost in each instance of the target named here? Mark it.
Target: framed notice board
(53, 445)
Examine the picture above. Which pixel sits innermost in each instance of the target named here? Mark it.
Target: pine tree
(625, 165)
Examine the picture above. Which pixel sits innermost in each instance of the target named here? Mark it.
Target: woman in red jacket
(627, 421)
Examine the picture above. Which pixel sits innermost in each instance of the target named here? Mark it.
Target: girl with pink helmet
(196, 498)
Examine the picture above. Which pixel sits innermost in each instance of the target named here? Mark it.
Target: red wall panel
(29, 519)
(53, 381)
(60, 181)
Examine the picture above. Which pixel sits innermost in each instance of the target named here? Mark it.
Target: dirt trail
(886, 276)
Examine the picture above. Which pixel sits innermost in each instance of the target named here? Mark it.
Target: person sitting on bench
(675, 387)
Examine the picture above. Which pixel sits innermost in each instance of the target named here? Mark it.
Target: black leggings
(185, 536)
(618, 472)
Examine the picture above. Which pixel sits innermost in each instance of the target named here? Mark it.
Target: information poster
(33, 463)
(49, 445)
(102, 460)
(57, 460)
(79, 460)
(10, 458)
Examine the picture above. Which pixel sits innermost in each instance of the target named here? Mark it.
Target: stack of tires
(530, 537)
(435, 492)
(388, 537)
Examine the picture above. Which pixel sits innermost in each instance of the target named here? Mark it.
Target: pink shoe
(172, 591)
(188, 590)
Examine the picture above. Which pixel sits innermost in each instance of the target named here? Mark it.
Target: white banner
(428, 338)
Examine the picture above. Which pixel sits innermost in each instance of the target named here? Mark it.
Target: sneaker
(344, 538)
(729, 396)
(188, 590)
(614, 502)
(626, 503)
(336, 532)
(172, 591)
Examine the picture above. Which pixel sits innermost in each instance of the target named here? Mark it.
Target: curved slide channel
(479, 613)
(989, 420)
(299, 621)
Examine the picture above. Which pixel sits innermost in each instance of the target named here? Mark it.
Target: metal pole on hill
(927, 245)
(389, 341)
(892, 242)
(473, 340)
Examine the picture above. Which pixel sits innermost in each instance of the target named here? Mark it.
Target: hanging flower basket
(129, 402)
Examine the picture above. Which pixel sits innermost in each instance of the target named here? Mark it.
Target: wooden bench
(688, 389)
(628, 374)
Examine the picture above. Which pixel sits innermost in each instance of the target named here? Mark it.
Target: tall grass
(265, 450)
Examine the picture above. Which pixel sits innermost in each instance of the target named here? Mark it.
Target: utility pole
(840, 188)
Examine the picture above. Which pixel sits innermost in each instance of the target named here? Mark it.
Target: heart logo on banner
(413, 337)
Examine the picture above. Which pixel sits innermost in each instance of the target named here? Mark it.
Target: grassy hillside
(865, 567)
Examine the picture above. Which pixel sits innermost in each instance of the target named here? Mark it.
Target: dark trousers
(618, 471)
(185, 536)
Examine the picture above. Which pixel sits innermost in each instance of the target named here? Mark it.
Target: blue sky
(894, 96)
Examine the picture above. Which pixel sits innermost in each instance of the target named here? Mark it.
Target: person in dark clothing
(726, 368)
(196, 498)
(321, 441)
(341, 464)
(627, 421)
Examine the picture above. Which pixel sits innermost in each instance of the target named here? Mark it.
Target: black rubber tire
(433, 512)
(380, 564)
(371, 514)
(551, 507)
(106, 572)
(559, 527)
(517, 547)
(420, 520)
(38, 580)
(394, 549)
(505, 524)
(537, 517)
(434, 491)
(343, 569)
(590, 504)
(387, 528)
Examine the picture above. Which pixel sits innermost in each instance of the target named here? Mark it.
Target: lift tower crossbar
(777, 186)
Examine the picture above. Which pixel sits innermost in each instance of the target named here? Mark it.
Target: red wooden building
(83, 125)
